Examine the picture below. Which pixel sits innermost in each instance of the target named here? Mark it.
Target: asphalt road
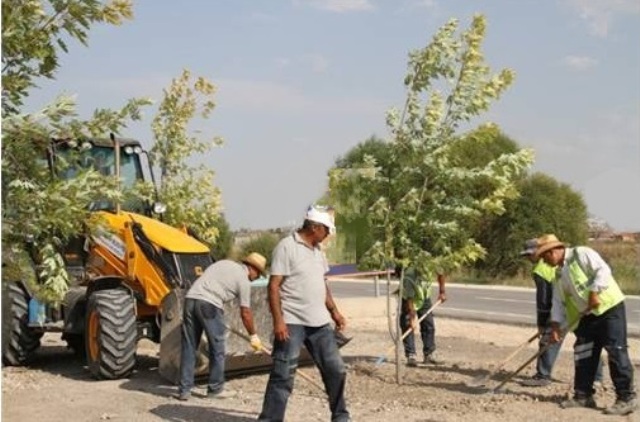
(512, 305)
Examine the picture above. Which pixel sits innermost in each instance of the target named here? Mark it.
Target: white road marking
(497, 299)
(502, 314)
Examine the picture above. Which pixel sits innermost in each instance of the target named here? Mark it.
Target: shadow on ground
(191, 413)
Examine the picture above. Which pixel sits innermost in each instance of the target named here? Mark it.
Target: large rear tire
(111, 334)
(19, 341)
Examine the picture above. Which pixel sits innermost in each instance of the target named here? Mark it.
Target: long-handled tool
(383, 357)
(482, 380)
(569, 327)
(267, 351)
(524, 365)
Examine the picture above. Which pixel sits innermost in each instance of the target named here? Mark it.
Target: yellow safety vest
(582, 279)
(547, 272)
(421, 287)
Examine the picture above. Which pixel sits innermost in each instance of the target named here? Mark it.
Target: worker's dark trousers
(608, 331)
(200, 316)
(321, 345)
(427, 330)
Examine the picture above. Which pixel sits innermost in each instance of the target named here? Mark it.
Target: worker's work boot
(412, 361)
(588, 402)
(182, 395)
(431, 359)
(536, 381)
(622, 407)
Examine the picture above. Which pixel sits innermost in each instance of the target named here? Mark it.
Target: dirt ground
(56, 387)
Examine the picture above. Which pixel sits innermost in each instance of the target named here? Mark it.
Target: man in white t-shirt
(303, 310)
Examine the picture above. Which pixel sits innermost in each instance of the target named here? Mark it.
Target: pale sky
(301, 82)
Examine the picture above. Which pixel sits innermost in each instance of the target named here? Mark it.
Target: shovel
(482, 380)
(383, 357)
(267, 351)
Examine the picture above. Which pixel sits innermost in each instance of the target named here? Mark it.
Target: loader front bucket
(240, 359)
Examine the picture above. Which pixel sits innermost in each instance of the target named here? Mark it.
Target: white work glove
(256, 344)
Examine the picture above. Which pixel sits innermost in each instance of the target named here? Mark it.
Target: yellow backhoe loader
(127, 280)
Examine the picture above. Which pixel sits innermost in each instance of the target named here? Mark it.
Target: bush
(624, 260)
(262, 243)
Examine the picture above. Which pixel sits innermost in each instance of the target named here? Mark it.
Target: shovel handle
(515, 352)
(543, 349)
(410, 329)
(268, 351)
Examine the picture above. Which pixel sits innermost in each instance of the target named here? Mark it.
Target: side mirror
(159, 207)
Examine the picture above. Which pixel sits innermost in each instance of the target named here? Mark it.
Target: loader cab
(67, 158)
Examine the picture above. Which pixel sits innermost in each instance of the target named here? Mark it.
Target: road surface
(513, 305)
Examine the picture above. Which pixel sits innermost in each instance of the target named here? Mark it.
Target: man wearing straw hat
(586, 294)
(544, 277)
(220, 283)
(303, 310)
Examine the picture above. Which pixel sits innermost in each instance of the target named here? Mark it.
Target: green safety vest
(582, 280)
(547, 272)
(421, 287)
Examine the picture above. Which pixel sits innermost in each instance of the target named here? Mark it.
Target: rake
(383, 357)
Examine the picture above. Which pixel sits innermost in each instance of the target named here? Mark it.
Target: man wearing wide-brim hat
(220, 283)
(587, 297)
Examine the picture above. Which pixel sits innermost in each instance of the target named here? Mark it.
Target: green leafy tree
(541, 208)
(355, 197)
(37, 209)
(223, 245)
(35, 31)
(191, 197)
(263, 243)
(429, 203)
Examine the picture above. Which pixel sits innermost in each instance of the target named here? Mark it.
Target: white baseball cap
(322, 216)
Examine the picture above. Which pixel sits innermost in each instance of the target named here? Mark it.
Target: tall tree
(191, 197)
(35, 31)
(541, 208)
(425, 214)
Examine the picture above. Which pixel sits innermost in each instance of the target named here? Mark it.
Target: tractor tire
(111, 334)
(19, 341)
(74, 305)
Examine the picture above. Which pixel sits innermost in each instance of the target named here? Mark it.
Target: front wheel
(111, 334)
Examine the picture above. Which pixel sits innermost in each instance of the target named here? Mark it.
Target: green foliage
(424, 206)
(354, 197)
(47, 210)
(35, 206)
(224, 242)
(263, 243)
(189, 193)
(33, 33)
(541, 208)
(624, 260)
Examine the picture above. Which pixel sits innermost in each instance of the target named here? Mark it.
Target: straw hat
(547, 242)
(530, 247)
(257, 261)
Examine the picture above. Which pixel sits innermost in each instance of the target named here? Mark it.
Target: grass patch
(622, 257)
